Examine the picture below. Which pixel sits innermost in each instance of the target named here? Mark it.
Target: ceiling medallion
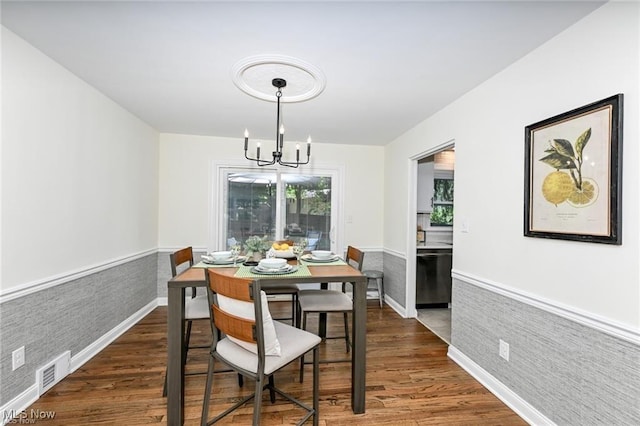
(254, 76)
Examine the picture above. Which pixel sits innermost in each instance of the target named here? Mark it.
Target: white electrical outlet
(504, 349)
(17, 357)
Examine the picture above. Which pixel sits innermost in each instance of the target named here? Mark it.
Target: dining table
(306, 273)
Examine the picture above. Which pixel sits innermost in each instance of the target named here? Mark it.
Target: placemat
(201, 264)
(334, 263)
(245, 272)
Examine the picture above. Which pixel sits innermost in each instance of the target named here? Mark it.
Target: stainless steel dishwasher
(433, 278)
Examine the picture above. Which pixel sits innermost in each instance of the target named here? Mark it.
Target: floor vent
(53, 372)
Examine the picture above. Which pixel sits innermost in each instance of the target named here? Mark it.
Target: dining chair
(246, 338)
(313, 237)
(330, 301)
(286, 289)
(196, 307)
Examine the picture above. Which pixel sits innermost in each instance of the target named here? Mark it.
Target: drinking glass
(297, 250)
(235, 251)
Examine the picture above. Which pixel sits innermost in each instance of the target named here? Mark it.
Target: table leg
(322, 317)
(359, 351)
(175, 363)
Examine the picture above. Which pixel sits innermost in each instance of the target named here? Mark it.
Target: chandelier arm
(294, 164)
(260, 161)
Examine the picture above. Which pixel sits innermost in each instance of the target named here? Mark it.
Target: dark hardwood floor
(410, 381)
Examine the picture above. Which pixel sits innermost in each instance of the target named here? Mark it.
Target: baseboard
(395, 306)
(93, 349)
(17, 406)
(521, 407)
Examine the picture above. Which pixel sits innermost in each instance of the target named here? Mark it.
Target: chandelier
(278, 83)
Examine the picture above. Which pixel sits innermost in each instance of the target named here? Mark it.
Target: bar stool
(376, 275)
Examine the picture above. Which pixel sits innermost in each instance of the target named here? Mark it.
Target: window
(442, 213)
(278, 204)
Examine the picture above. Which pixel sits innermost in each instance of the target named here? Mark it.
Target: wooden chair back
(233, 326)
(239, 289)
(180, 257)
(231, 287)
(355, 257)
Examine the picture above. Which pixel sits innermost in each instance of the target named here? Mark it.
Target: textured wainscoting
(164, 271)
(70, 316)
(395, 285)
(571, 373)
(373, 260)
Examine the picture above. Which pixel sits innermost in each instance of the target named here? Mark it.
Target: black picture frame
(573, 174)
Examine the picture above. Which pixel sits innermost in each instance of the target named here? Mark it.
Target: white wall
(79, 173)
(186, 163)
(592, 60)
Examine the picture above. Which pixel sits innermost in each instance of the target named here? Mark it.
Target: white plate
(310, 258)
(229, 261)
(285, 268)
(289, 270)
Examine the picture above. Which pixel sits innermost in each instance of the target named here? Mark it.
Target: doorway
(431, 264)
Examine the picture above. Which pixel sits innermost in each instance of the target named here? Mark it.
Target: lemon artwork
(557, 187)
(568, 186)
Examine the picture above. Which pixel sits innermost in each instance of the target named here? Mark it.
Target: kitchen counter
(432, 246)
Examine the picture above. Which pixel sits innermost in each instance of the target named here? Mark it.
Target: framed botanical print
(573, 174)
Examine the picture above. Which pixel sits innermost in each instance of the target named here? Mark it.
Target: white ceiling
(388, 65)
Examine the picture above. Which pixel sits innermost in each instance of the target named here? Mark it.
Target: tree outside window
(442, 213)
